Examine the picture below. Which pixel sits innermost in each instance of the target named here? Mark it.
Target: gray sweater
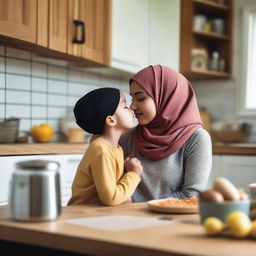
(182, 174)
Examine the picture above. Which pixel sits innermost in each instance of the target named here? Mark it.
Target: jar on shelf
(198, 22)
(218, 26)
(214, 61)
(222, 65)
(207, 27)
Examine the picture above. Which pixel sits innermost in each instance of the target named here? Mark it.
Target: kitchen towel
(118, 223)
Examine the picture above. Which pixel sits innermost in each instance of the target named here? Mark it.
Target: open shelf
(207, 74)
(199, 45)
(212, 4)
(211, 35)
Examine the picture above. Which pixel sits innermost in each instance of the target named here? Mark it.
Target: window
(248, 81)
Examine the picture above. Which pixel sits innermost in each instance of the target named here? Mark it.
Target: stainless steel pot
(35, 191)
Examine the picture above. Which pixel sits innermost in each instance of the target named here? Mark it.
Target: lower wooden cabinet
(240, 170)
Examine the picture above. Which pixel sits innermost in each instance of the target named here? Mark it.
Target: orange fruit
(42, 133)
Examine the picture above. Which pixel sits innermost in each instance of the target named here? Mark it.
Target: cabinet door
(165, 32)
(18, 19)
(58, 25)
(42, 22)
(7, 167)
(93, 20)
(241, 170)
(68, 172)
(130, 34)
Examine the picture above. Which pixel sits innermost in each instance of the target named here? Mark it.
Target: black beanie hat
(92, 109)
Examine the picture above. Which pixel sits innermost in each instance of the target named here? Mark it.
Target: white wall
(220, 97)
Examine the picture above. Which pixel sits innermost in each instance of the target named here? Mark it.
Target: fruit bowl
(221, 210)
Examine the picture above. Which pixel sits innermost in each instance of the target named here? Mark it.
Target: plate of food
(174, 205)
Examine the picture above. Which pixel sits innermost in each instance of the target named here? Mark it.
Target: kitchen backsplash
(39, 90)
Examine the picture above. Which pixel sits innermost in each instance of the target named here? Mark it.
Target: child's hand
(128, 201)
(132, 164)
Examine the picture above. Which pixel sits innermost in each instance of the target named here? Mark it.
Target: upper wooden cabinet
(89, 29)
(18, 19)
(71, 28)
(139, 34)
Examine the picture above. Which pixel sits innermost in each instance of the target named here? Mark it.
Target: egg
(226, 188)
(212, 195)
(243, 195)
(253, 215)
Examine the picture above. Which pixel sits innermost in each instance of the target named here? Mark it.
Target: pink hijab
(177, 115)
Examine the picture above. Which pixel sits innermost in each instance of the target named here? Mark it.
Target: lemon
(253, 229)
(239, 224)
(213, 226)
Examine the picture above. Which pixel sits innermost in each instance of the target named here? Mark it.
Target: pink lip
(138, 114)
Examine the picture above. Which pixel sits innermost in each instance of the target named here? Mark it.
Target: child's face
(124, 114)
(142, 104)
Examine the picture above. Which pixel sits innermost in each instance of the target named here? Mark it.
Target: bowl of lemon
(222, 199)
(224, 209)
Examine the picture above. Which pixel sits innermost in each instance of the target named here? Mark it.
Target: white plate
(154, 206)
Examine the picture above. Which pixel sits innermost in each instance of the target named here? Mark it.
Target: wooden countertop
(73, 148)
(234, 149)
(183, 236)
(41, 148)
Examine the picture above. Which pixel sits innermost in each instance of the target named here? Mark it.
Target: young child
(100, 175)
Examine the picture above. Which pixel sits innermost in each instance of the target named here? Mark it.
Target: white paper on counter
(116, 223)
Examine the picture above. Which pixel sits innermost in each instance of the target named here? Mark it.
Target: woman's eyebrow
(136, 93)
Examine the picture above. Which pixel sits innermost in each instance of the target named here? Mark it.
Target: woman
(174, 149)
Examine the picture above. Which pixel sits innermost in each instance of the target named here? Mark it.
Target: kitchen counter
(75, 148)
(182, 236)
(41, 148)
(234, 149)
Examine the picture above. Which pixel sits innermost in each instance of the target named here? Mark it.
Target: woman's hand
(132, 164)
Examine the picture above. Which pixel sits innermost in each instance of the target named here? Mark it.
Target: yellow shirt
(100, 176)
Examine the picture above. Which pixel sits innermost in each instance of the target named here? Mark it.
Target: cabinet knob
(79, 26)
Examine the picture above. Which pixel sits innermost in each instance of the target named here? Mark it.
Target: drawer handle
(81, 24)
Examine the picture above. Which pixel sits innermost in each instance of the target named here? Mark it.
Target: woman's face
(142, 104)
(124, 114)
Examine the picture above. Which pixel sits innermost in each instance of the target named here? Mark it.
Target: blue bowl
(223, 209)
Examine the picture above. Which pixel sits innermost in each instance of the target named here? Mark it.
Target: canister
(35, 191)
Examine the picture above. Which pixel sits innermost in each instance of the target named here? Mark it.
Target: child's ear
(110, 120)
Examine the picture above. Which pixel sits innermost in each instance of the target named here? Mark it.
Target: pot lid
(42, 165)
